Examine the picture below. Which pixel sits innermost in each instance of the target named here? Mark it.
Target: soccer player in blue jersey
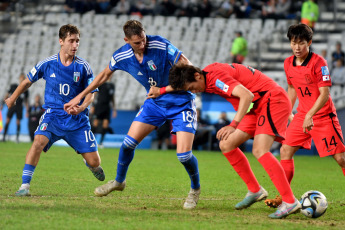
(148, 59)
(66, 75)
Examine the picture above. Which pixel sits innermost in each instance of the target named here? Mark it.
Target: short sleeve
(322, 73)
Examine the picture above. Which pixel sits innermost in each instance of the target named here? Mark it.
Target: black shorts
(15, 109)
(103, 114)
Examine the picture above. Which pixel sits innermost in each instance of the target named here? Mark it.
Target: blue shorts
(183, 116)
(81, 140)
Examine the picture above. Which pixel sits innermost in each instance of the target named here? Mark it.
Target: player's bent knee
(226, 147)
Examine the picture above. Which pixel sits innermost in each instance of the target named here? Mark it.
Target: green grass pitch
(157, 184)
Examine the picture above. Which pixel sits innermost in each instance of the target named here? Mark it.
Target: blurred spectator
(17, 108)
(167, 8)
(325, 56)
(222, 121)
(102, 6)
(203, 135)
(338, 73)
(187, 8)
(122, 7)
(309, 13)
(239, 48)
(337, 54)
(225, 10)
(282, 9)
(204, 9)
(35, 112)
(163, 135)
(268, 10)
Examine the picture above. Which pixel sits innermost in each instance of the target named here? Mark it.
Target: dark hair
(181, 74)
(133, 27)
(300, 32)
(68, 29)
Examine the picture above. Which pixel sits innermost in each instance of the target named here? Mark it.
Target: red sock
(343, 171)
(241, 165)
(289, 168)
(277, 175)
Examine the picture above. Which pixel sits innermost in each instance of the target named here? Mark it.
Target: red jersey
(222, 78)
(307, 79)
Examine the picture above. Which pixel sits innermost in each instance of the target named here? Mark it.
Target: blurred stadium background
(29, 33)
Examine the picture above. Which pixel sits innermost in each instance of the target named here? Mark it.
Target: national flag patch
(152, 65)
(139, 112)
(325, 78)
(76, 76)
(43, 127)
(221, 85)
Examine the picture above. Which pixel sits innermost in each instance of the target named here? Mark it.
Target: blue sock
(125, 157)
(28, 171)
(190, 163)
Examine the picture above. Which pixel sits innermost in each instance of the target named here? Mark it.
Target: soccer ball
(314, 204)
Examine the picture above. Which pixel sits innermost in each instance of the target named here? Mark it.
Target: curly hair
(300, 32)
(181, 74)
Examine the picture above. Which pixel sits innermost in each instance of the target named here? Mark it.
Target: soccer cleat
(192, 199)
(251, 198)
(23, 192)
(286, 209)
(274, 203)
(97, 172)
(107, 188)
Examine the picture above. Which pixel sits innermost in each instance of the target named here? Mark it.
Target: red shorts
(326, 133)
(269, 115)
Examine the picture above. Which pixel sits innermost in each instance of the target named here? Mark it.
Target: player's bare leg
(93, 162)
(340, 158)
(31, 161)
(137, 132)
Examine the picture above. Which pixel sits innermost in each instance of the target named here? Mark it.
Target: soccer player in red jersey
(316, 118)
(266, 122)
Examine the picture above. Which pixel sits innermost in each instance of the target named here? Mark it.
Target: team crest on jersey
(221, 85)
(43, 126)
(152, 65)
(76, 76)
(308, 79)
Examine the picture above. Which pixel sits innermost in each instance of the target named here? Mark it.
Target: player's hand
(154, 92)
(76, 110)
(68, 107)
(308, 123)
(9, 102)
(224, 133)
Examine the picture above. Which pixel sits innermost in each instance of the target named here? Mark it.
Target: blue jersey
(63, 83)
(160, 55)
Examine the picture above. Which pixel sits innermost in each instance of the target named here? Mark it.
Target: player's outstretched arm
(80, 108)
(101, 78)
(23, 86)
